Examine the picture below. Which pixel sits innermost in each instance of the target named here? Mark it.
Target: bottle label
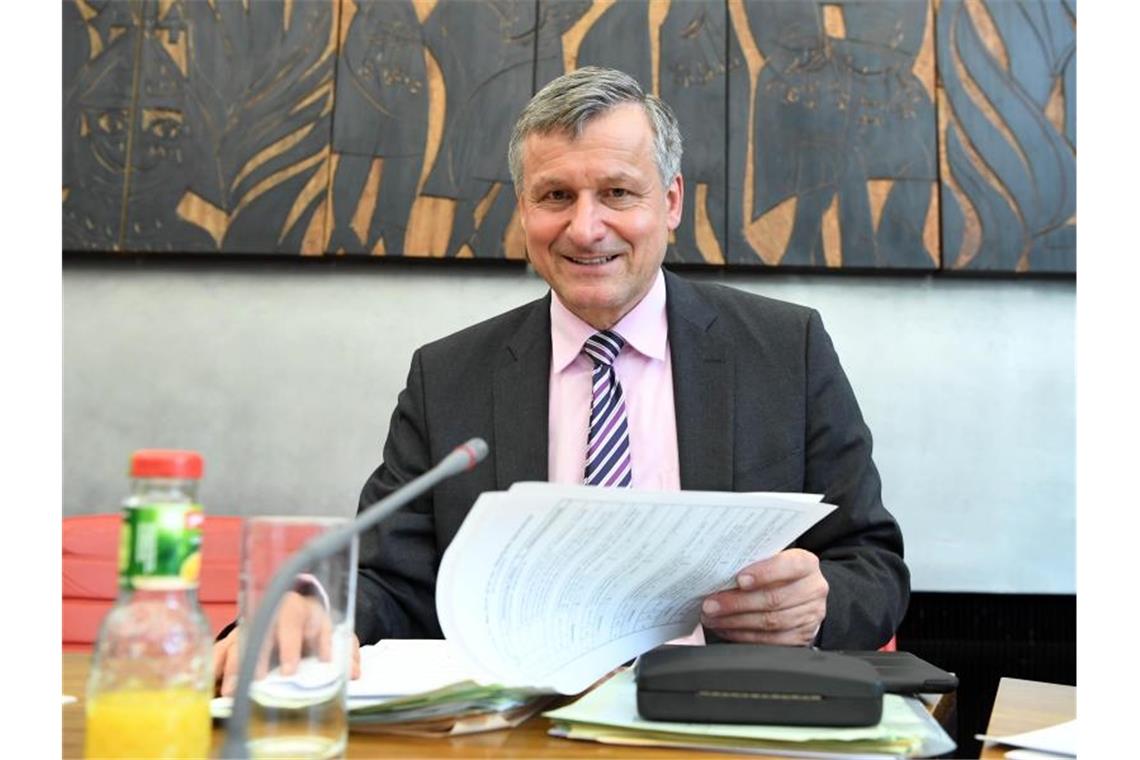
(160, 546)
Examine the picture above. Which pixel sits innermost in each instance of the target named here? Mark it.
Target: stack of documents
(609, 715)
(420, 687)
(554, 586)
(416, 687)
(546, 589)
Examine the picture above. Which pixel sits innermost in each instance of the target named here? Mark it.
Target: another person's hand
(779, 600)
(299, 618)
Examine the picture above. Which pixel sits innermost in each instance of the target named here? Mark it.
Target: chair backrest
(91, 573)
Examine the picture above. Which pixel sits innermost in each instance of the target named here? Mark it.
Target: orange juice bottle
(151, 679)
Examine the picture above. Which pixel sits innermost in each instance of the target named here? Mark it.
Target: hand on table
(779, 600)
(299, 619)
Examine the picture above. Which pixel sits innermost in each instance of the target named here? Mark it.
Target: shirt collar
(645, 328)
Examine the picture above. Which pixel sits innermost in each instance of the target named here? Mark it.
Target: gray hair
(571, 101)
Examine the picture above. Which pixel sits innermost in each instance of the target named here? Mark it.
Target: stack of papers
(609, 715)
(416, 687)
(422, 688)
(546, 589)
(552, 587)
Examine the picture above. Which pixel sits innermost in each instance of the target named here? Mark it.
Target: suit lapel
(521, 398)
(703, 389)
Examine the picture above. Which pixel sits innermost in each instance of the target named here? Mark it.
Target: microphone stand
(463, 458)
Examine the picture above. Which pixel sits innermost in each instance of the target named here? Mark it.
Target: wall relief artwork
(380, 127)
(833, 161)
(1007, 134)
(197, 126)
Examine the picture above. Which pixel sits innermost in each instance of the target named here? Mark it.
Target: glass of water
(299, 712)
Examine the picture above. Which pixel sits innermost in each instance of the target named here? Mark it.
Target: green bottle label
(161, 546)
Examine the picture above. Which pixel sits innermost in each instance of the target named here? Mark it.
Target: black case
(906, 673)
(756, 683)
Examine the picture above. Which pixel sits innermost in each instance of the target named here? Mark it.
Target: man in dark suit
(746, 393)
(760, 400)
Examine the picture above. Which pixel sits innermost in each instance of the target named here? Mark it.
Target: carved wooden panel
(562, 25)
(427, 94)
(380, 127)
(832, 156)
(692, 79)
(676, 50)
(198, 125)
(1007, 134)
(383, 101)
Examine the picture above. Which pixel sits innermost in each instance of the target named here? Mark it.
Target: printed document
(552, 587)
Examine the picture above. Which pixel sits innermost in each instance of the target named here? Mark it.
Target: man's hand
(299, 619)
(780, 600)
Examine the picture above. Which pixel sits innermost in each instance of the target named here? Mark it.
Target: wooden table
(528, 740)
(1026, 706)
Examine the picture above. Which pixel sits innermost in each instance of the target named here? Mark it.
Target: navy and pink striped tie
(607, 443)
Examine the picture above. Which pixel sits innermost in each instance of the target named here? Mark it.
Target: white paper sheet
(394, 668)
(1059, 739)
(399, 667)
(554, 586)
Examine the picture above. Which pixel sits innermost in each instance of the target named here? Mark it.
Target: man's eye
(619, 192)
(556, 195)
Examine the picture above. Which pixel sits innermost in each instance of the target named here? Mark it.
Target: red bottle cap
(166, 463)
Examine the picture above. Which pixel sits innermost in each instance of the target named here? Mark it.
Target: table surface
(1026, 706)
(528, 740)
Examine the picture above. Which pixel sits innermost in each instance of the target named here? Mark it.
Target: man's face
(595, 213)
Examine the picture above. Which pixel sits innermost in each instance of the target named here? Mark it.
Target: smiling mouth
(593, 261)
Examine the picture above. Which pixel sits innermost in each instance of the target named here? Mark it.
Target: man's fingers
(290, 635)
(806, 615)
(324, 638)
(792, 637)
(355, 657)
(767, 599)
(780, 600)
(785, 567)
(221, 649)
(230, 665)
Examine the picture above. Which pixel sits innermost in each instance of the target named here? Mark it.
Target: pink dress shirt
(645, 372)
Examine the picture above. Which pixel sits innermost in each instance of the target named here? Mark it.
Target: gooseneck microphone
(463, 458)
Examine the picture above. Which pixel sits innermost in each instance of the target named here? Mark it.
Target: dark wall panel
(197, 126)
(832, 155)
(382, 107)
(427, 95)
(693, 81)
(1007, 134)
(380, 127)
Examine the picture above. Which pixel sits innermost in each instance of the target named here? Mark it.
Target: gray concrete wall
(284, 377)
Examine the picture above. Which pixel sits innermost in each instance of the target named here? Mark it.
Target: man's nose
(586, 225)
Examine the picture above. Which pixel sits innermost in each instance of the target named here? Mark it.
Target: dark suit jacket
(762, 404)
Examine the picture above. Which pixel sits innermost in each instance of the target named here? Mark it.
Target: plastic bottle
(151, 680)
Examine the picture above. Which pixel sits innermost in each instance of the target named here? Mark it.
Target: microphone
(462, 458)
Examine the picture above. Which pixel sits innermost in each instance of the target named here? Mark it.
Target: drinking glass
(300, 714)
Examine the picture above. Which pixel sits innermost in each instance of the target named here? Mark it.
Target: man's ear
(674, 201)
(521, 214)
(521, 209)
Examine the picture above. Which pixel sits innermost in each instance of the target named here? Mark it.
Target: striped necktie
(607, 443)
